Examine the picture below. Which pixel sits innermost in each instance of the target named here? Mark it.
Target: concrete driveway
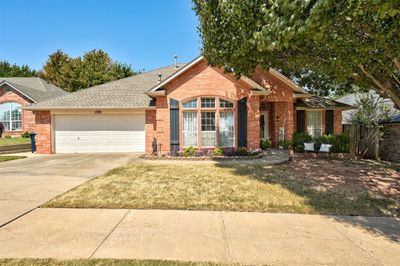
(28, 183)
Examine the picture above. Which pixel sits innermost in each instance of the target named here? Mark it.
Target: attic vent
(159, 77)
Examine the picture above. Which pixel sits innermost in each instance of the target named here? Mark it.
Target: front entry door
(264, 130)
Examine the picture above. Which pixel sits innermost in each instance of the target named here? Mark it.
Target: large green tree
(345, 42)
(13, 70)
(93, 68)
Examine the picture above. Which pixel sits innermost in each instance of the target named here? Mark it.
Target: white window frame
(230, 131)
(11, 121)
(190, 131)
(208, 131)
(312, 127)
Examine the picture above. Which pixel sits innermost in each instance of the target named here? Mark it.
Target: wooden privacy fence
(364, 140)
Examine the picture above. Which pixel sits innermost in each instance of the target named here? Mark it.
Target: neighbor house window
(190, 104)
(314, 123)
(208, 129)
(225, 104)
(226, 129)
(11, 116)
(189, 131)
(207, 102)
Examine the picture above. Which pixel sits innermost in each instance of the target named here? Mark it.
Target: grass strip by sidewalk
(97, 262)
(4, 158)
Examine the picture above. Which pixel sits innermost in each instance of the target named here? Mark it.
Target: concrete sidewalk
(248, 238)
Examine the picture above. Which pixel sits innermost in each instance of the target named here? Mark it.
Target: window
(207, 103)
(314, 123)
(208, 133)
(190, 104)
(225, 104)
(226, 129)
(11, 116)
(189, 130)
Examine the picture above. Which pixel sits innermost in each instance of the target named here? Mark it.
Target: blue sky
(143, 33)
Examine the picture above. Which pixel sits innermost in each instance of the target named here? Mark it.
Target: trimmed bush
(341, 143)
(25, 134)
(241, 151)
(285, 143)
(189, 151)
(265, 144)
(218, 152)
(299, 139)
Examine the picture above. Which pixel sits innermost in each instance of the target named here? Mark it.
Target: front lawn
(310, 186)
(13, 141)
(9, 158)
(97, 262)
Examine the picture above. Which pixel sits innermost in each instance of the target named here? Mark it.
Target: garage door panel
(99, 133)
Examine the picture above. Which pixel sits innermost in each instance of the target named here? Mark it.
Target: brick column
(43, 132)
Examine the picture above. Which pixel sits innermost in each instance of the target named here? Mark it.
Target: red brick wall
(28, 118)
(43, 131)
(150, 127)
(203, 80)
(337, 122)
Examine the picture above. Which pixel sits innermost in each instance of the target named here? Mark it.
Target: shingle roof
(122, 93)
(35, 88)
(316, 102)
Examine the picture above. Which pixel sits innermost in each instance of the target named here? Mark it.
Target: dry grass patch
(98, 262)
(221, 187)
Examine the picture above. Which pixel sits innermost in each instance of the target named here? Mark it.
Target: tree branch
(396, 63)
(383, 87)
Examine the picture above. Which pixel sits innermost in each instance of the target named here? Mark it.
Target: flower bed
(193, 154)
(201, 158)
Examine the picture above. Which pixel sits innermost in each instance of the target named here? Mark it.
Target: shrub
(241, 151)
(25, 134)
(285, 143)
(7, 136)
(218, 152)
(299, 139)
(265, 144)
(341, 143)
(189, 151)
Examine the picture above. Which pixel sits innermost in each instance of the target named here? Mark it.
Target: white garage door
(99, 133)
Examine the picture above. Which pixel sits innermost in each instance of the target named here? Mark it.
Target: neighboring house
(15, 93)
(179, 106)
(389, 148)
(352, 99)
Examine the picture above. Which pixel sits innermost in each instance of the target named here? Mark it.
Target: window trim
(197, 127)
(321, 126)
(11, 121)
(234, 128)
(208, 108)
(216, 131)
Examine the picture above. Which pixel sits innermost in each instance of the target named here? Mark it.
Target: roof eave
(48, 108)
(343, 108)
(15, 88)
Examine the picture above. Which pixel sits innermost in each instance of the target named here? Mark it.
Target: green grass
(235, 187)
(9, 158)
(96, 262)
(12, 141)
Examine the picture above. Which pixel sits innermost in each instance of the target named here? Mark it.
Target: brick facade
(43, 132)
(7, 94)
(202, 81)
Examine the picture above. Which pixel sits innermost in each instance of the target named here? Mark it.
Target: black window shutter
(329, 122)
(174, 125)
(242, 122)
(301, 121)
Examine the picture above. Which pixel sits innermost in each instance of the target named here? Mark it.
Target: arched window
(11, 116)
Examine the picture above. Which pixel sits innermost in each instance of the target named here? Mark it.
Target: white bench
(310, 147)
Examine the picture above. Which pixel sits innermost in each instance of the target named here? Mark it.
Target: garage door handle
(78, 138)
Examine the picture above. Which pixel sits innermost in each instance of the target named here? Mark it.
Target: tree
(52, 69)
(370, 111)
(94, 68)
(344, 41)
(8, 70)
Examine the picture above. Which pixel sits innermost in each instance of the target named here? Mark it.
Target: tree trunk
(385, 87)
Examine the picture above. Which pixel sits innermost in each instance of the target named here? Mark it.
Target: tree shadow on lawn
(340, 188)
